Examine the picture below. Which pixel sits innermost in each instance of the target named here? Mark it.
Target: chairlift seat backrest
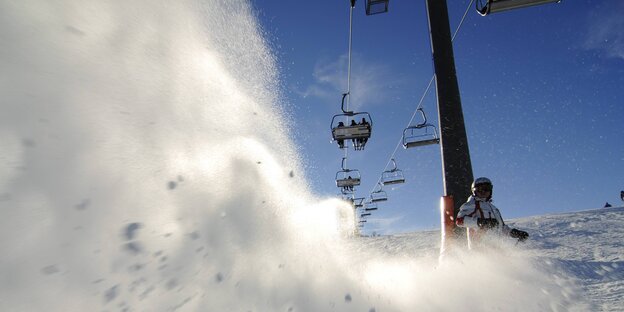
(351, 132)
(393, 181)
(347, 182)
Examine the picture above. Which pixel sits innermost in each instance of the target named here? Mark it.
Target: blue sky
(541, 90)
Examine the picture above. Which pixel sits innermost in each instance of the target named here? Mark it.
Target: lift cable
(423, 96)
(350, 49)
(348, 93)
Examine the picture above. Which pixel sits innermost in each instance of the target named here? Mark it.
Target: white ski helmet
(480, 181)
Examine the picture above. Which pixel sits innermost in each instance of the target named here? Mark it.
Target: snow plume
(144, 166)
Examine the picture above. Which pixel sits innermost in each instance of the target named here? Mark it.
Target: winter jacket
(479, 216)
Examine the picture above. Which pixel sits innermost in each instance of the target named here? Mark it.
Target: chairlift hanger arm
(348, 113)
(424, 138)
(424, 123)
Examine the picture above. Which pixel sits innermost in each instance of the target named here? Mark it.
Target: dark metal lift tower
(456, 165)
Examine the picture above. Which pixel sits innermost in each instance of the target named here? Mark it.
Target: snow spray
(145, 166)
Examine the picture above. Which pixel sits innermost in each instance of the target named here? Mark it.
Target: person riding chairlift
(349, 187)
(353, 123)
(364, 123)
(340, 142)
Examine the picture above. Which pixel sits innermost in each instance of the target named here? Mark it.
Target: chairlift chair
(494, 6)
(378, 195)
(346, 179)
(358, 202)
(365, 215)
(352, 178)
(376, 6)
(350, 129)
(370, 206)
(393, 176)
(421, 134)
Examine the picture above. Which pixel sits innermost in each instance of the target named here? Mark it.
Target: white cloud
(316, 91)
(369, 81)
(605, 29)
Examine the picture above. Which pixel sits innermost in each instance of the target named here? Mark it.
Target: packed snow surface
(585, 248)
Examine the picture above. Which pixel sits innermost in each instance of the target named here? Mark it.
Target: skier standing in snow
(481, 217)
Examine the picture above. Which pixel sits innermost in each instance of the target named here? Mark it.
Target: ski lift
(358, 133)
(365, 215)
(421, 134)
(358, 202)
(378, 195)
(370, 206)
(346, 179)
(376, 6)
(393, 176)
(494, 6)
(362, 221)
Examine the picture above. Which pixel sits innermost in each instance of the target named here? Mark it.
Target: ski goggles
(483, 188)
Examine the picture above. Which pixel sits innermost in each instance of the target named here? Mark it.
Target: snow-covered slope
(586, 247)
